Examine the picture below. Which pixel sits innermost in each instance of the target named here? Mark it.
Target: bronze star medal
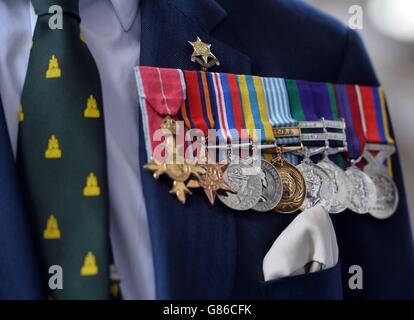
(178, 172)
(211, 181)
(203, 55)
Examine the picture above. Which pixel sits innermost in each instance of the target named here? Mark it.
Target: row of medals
(284, 188)
(279, 186)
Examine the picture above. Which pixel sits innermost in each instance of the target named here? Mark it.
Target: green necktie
(62, 157)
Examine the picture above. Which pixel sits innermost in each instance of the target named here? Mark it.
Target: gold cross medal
(180, 171)
(203, 55)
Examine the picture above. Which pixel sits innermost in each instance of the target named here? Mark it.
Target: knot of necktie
(50, 7)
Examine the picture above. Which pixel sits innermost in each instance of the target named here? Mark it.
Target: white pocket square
(308, 244)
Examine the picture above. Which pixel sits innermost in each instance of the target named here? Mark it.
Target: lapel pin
(203, 55)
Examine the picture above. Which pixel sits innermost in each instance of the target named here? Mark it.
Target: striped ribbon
(311, 101)
(231, 103)
(334, 111)
(279, 111)
(161, 93)
(255, 108)
(349, 109)
(235, 102)
(214, 102)
(374, 117)
(278, 107)
(202, 113)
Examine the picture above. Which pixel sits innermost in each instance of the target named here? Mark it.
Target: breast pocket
(322, 285)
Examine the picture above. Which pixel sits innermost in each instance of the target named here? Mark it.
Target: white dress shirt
(112, 31)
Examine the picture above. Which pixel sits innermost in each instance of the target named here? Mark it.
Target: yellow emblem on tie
(115, 289)
(54, 70)
(89, 267)
(82, 37)
(52, 231)
(91, 110)
(53, 151)
(92, 188)
(21, 114)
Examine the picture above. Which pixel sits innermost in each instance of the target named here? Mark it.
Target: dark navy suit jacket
(202, 251)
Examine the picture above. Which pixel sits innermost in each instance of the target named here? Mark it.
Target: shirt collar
(126, 11)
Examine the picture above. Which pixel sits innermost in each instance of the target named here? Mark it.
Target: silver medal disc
(319, 186)
(387, 195)
(364, 194)
(246, 186)
(342, 186)
(272, 188)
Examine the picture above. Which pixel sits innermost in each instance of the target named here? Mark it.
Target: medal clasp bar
(286, 132)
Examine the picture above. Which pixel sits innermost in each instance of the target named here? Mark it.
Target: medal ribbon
(278, 108)
(277, 102)
(214, 102)
(255, 109)
(349, 109)
(161, 93)
(374, 115)
(201, 115)
(235, 102)
(310, 101)
(334, 111)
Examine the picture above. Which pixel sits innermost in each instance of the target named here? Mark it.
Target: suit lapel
(194, 246)
(167, 26)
